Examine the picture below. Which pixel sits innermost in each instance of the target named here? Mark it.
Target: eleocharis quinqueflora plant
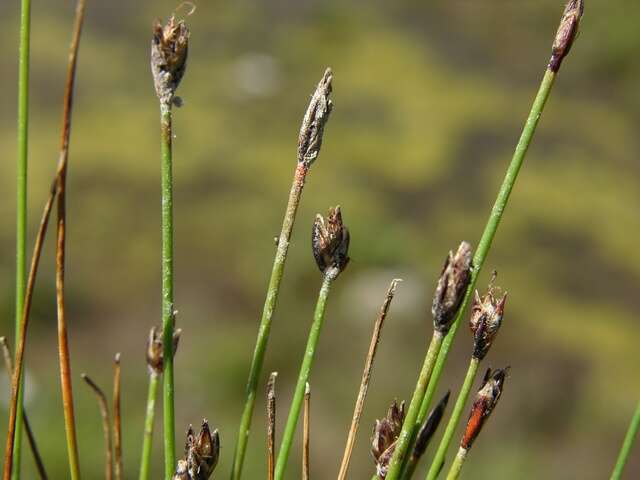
(330, 246)
(483, 405)
(309, 144)
(563, 41)
(627, 445)
(56, 191)
(169, 50)
(486, 317)
(21, 203)
(450, 290)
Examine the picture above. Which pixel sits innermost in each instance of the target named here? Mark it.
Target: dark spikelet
(485, 321)
(430, 426)
(314, 121)
(567, 33)
(200, 456)
(155, 351)
(330, 241)
(169, 51)
(483, 405)
(451, 287)
(385, 435)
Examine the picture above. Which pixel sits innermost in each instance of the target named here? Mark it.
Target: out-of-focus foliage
(429, 101)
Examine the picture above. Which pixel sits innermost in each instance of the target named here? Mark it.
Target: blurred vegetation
(429, 101)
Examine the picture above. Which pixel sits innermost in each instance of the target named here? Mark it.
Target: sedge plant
(309, 144)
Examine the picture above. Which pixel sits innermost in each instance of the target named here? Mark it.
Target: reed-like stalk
(21, 203)
(439, 457)
(271, 425)
(152, 395)
(456, 466)
(303, 377)
(366, 377)
(117, 419)
(35, 261)
(404, 440)
(309, 143)
(103, 404)
(306, 434)
(8, 363)
(563, 41)
(627, 445)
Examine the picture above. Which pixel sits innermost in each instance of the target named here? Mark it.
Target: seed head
(315, 118)
(385, 435)
(201, 455)
(330, 242)
(451, 287)
(484, 403)
(486, 318)
(169, 50)
(567, 32)
(155, 349)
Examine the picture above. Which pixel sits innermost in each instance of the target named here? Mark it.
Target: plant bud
(155, 349)
(484, 403)
(451, 287)
(385, 435)
(429, 427)
(200, 456)
(486, 318)
(315, 118)
(330, 242)
(169, 49)
(567, 32)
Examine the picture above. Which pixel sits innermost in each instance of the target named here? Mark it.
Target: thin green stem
(267, 316)
(404, 440)
(490, 229)
(456, 466)
(627, 445)
(303, 377)
(21, 203)
(454, 419)
(147, 440)
(168, 317)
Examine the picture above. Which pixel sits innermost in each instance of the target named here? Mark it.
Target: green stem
(305, 369)
(168, 318)
(627, 445)
(404, 440)
(490, 229)
(267, 315)
(454, 419)
(148, 426)
(21, 204)
(456, 466)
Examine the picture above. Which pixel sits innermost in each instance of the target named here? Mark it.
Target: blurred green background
(429, 101)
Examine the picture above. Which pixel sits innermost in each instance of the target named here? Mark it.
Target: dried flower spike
(154, 349)
(486, 318)
(385, 435)
(567, 32)
(484, 403)
(330, 242)
(169, 49)
(451, 287)
(315, 118)
(201, 454)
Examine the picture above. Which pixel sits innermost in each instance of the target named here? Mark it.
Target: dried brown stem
(271, 424)
(63, 340)
(106, 424)
(117, 419)
(8, 363)
(366, 377)
(305, 433)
